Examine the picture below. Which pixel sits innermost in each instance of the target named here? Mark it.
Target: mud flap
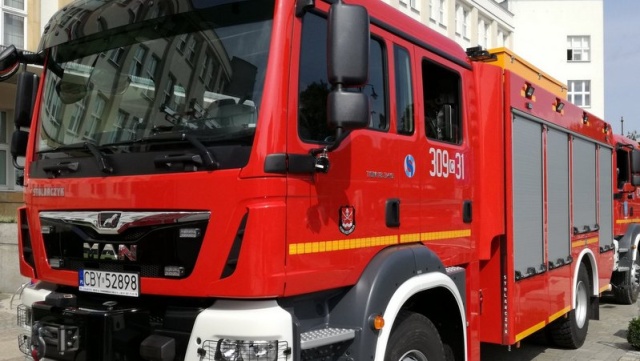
(595, 308)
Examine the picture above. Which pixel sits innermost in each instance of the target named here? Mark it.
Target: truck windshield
(197, 72)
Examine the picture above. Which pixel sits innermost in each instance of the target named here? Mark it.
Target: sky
(622, 64)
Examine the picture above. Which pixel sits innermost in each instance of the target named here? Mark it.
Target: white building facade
(488, 23)
(565, 38)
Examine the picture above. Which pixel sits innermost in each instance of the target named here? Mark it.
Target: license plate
(111, 283)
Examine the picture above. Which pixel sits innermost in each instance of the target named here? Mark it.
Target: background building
(21, 24)
(565, 38)
(488, 23)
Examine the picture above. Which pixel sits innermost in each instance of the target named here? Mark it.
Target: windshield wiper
(99, 157)
(101, 160)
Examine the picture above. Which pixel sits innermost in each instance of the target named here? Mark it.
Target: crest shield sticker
(347, 217)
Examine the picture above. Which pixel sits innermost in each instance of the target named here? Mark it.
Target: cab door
(444, 157)
(336, 220)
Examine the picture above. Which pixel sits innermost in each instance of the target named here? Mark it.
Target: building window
(442, 12)
(137, 61)
(182, 43)
(192, 48)
(412, 3)
(13, 23)
(96, 119)
(462, 22)
(76, 117)
(579, 92)
(578, 48)
(152, 66)
(484, 33)
(501, 38)
(116, 56)
(16, 4)
(13, 29)
(432, 10)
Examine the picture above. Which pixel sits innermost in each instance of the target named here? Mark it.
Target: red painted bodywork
(293, 244)
(626, 198)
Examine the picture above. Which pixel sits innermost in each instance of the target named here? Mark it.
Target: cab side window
(313, 85)
(441, 103)
(404, 93)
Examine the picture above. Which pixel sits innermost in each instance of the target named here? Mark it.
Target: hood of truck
(227, 233)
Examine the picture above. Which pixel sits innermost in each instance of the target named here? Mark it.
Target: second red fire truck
(304, 180)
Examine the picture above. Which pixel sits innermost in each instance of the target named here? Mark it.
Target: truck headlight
(240, 350)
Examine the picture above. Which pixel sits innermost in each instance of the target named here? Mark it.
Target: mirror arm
(27, 57)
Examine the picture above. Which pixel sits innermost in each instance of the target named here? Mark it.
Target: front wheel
(570, 332)
(414, 338)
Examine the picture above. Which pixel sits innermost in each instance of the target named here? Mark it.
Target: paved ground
(606, 340)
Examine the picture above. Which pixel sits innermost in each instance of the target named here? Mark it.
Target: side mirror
(348, 110)
(348, 45)
(9, 62)
(26, 90)
(348, 66)
(19, 141)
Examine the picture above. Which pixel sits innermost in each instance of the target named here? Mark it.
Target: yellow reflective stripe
(358, 243)
(530, 331)
(433, 236)
(559, 314)
(625, 221)
(584, 242)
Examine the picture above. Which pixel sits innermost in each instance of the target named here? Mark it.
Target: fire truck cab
(299, 180)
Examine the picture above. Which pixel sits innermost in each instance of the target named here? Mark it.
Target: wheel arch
(435, 296)
(588, 260)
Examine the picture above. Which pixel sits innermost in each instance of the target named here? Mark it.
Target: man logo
(108, 220)
(108, 252)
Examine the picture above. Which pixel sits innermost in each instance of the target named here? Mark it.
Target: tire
(414, 338)
(626, 285)
(570, 332)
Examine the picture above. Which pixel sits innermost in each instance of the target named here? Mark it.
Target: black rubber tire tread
(414, 331)
(627, 294)
(564, 332)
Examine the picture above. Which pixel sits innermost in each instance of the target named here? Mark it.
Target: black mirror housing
(26, 91)
(348, 45)
(19, 140)
(347, 110)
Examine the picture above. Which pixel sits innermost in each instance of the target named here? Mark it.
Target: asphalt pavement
(606, 341)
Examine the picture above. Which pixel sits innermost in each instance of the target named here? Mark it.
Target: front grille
(140, 244)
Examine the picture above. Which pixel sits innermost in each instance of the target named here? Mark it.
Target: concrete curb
(10, 277)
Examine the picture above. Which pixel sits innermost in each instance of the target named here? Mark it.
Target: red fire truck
(298, 180)
(626, 278)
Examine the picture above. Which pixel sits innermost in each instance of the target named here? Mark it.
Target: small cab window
(442, 103)
(622, 157)
(404, 93)
(313, 85)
